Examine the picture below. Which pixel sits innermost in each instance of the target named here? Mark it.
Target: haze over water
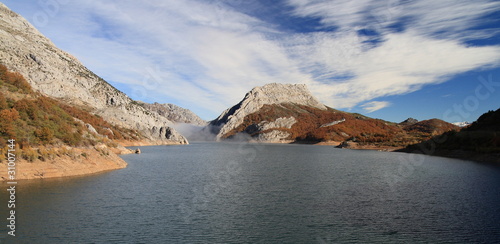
(261, 193)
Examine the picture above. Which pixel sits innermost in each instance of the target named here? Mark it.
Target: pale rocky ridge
(58, 74)
(175, 113)
(270, 94)
(333, 123)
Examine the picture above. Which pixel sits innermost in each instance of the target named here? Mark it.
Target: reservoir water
(263, 193)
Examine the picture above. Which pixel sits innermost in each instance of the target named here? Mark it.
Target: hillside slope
(480, 141)
(48, 138)
(58, 74)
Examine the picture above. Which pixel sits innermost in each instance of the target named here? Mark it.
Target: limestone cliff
(58, 74)
(270, 94)
(175, 113)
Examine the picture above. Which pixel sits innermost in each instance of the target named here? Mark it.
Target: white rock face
(175, 113)
(333, 123)
(60, 75)
(269, 131)
(278, 123)
(259, 96)
(273, 136)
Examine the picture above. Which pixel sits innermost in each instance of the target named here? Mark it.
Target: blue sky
(390, 59)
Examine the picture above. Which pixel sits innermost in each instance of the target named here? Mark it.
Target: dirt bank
(69, 162)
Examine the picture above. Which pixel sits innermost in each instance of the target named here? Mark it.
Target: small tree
(3, 102)
(44, 134)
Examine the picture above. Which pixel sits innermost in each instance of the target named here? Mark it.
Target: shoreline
(144, 143)
(76, 161)
(487, 158)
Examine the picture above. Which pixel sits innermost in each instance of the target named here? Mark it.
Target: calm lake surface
(255, 193)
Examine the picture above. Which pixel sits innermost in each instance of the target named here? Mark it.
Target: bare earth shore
(75, 162)
(80, 161)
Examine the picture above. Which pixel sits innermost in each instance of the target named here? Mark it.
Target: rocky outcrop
(347, 144)
(282, 122)
(333, 123)
(58, 74)
(269, 131)
(270, 94)
(175, 113)
(409, 121)
(274, 136)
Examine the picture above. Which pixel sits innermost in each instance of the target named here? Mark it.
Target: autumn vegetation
(39, 123)
(310, 126)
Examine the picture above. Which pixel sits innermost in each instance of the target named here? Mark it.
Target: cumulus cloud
(205, 55)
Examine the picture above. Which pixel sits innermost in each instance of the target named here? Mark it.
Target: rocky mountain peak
(276, 93)
(409, 121)
(270, 94)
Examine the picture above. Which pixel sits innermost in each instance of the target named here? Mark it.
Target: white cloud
(207, 55)
(374, 106)
(451, 18)
(402, 62)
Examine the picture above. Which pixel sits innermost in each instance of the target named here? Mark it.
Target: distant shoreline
(88, 161)
(493, 158)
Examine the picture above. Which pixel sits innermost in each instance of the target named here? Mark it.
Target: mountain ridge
(175, 113)
(479, 141)
(60, 75)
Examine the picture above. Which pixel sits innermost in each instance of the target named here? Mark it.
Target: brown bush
(15, 79)
(3, 102)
